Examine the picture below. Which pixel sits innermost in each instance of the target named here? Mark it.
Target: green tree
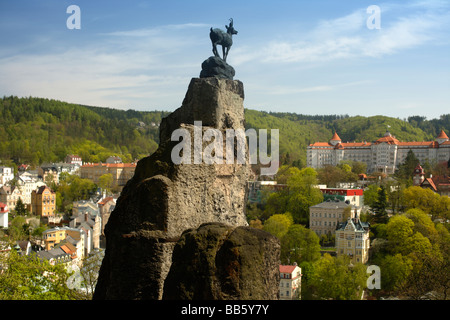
(395, 272)
(380, 206)
(278, 224)
(30, 278)
(334, 278)
(398, 230)
(371, 195)
(406, 169)
(299, 244)
(105, 182)
(20, 208)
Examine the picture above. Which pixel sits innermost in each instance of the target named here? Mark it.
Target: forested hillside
(36, 130)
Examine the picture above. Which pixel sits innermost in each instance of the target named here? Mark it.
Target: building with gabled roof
(439, 184)
(43, 202)
(352, 240)
(382, 155)
(9, 195)
(290, 282)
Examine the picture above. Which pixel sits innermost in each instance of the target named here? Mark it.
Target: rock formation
(221, 262)
(216, 67)
(164, 199)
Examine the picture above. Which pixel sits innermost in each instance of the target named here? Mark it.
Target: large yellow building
(121, 172)
(352, 239)
(43, 202)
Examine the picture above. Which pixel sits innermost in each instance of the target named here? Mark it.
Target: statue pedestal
(216, 67)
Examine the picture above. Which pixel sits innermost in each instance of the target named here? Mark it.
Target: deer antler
(231, 22)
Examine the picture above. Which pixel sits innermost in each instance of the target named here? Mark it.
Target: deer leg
(225, 52)
(215, 50)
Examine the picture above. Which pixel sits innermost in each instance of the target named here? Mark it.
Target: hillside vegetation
(37, 130)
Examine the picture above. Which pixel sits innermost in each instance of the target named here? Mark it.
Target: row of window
(319, 215)
(319, 223)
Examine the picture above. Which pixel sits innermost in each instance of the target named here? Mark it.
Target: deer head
(230, 28)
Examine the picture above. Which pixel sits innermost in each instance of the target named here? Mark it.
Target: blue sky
(306, 57)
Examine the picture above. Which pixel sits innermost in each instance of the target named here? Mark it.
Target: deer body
(225, 39)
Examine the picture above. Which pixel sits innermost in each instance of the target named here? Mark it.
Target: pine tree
(380, 206)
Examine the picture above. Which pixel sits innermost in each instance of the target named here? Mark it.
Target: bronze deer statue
(219, 37)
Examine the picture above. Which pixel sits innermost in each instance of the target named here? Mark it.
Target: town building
(325, 217)
(73, 159)
(354, 197)
(439, 184)
(114, 159)
(43, 202)
(9, 195)
(290, 282)
(55, 256)
(50, 172)
(86, 216)
(6, 175)
(106, 207)
(121, 172)
(352, 239)
(3, 215)
(383, 155)
(27, 184)
(53, 237)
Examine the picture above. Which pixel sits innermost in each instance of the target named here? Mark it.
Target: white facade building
(290, 282)
(6, 174)
(3, 215)
(27, 185)
(383, 155)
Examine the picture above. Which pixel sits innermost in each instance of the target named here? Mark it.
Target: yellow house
(352, 239)
(43, 202)
(55, 235)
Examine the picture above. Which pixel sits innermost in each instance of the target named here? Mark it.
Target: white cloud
(139, 67)
(348, 36)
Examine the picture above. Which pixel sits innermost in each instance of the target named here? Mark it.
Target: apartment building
(352, 239)
(383, 155)
(53, 237)
(325, 217)
(43, 202)
(6, 175)
(290, 282)
(10, 195)
(121, 172)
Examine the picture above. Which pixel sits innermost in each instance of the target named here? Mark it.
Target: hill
(37, 130)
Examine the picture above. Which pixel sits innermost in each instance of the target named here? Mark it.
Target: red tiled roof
(110, 165)
(431, 182)
(388, 140)
(335, 137)
(442, 135)
(287, 269)
(106, 200)
(320, 144)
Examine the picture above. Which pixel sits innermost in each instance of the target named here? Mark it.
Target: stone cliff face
(164, 199)
(221, 262)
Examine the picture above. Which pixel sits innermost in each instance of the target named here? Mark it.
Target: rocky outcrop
(216, 67)
(164, 199)
(221, 262)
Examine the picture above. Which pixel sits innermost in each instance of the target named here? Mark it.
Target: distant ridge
(37, 130)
